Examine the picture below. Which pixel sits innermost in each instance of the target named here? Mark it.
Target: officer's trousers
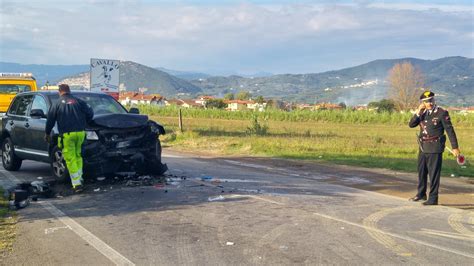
(72, 153)
(429, 164)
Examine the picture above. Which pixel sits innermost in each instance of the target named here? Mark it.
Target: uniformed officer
(71, 114)
(433, 121)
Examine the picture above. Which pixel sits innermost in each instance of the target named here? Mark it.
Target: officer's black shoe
(430, 202)
(416, 198)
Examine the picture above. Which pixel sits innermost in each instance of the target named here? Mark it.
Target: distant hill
(187, 75)
(134, 76)
(43, 73)
(451, 77)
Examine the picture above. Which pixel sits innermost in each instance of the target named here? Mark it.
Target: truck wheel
(9, 160)
(58, 165)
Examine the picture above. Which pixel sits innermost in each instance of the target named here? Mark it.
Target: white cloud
(278, 38)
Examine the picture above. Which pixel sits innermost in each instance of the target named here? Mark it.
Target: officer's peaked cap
(427, 95)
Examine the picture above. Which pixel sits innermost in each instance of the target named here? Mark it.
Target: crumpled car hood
(120, 120)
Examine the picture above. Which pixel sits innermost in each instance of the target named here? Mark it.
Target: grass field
(7, 226)
(344, 137)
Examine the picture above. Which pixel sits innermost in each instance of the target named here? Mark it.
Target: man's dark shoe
(416, 198)
(78, 189)
(427, 203)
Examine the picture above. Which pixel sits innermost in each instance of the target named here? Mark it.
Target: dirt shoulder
(454, 192)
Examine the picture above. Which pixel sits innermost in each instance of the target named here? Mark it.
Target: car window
(14, 88)
(25, 101)
(14, 106)
(100, 103)
(40, 103)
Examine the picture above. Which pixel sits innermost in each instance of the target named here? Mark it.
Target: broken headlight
(157, 128)
(91, 135)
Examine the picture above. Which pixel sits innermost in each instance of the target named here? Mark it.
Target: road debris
(97, 189)
(18, 199)
(218, 198)
(230, 243)
(20, 196)
(206, 178)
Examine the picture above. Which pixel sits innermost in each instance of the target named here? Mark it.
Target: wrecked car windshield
(101, 104)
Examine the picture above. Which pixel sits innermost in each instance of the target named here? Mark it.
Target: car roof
(55, 92)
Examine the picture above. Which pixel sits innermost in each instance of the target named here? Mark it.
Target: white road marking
(447, 234)
(406, 238)
(10, 176)
(251, 165)
(239, 180)
(54, 229)
(171, 156)
(90, 238)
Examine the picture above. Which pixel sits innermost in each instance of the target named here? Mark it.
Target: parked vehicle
(13, 83)
(116, 140)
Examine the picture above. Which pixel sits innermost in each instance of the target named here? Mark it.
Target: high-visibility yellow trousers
(71, 149)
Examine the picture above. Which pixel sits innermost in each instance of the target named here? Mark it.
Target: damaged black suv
(117, 140)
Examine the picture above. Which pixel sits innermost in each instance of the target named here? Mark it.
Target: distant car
(116, 140)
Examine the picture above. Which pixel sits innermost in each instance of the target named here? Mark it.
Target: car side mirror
(37, 114)
(134, 110)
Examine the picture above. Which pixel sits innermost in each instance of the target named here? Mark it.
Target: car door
(19, 123)
(35, 143)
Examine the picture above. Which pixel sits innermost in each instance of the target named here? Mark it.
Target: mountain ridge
(450, 77)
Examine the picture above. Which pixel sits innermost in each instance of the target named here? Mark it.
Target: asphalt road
(247, 214)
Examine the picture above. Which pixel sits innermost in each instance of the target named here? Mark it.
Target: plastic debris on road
(206, 178)
(18, 199)
(218, 198)
(230, 243)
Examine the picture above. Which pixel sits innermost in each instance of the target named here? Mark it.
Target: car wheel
(158, 150)
(153, 163)
(9, 160)
(58, 165)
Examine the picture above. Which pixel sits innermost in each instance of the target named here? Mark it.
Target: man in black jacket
(72, 115)
(433, 121)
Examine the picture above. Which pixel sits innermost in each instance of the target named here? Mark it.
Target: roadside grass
(390, 145)
(7, 226)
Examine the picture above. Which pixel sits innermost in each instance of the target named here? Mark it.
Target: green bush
(256, 128)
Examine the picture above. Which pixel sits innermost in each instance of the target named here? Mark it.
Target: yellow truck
(13, 83)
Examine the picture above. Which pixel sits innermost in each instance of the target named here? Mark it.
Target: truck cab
(13, 83)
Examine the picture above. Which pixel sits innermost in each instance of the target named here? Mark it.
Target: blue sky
(223, 37)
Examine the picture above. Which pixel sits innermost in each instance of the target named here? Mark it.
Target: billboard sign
(105, 76)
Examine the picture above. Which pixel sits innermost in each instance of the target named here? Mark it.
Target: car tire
(10, 161)
(58, 165)
(153, 163)
(158, 150)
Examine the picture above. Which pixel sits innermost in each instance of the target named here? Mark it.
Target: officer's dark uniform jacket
(432, 126)
(71, 113)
